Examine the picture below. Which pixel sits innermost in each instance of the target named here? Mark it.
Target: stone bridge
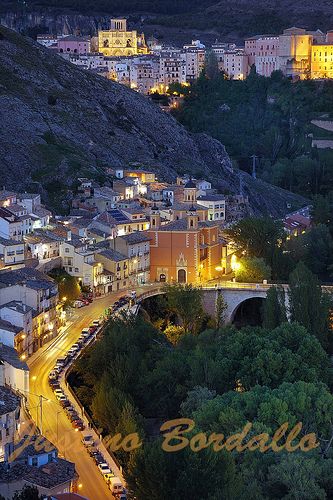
(234, 294)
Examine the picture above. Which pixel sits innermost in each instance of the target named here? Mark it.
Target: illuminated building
(185, 250)
(118, 41)
(322, 58)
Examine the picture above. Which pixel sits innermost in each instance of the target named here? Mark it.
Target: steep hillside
(174, 21)
(59, 122)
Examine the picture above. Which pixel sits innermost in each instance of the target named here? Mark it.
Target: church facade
(118, 41)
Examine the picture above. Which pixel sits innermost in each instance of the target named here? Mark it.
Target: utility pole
(41, 398)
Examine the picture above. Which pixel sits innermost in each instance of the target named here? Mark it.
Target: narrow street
(55, 425)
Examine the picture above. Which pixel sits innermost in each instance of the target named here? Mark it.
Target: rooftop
(181, 225)
(9, 327)
(29, 446)
(8, 400)
(10, 356)
(8, 215)
(47, 476)
(4, 194)
(28, 196)
(26, 275)
(17, 306)
(211, 197)
(136, 237)
(7, 243)
(113, 255)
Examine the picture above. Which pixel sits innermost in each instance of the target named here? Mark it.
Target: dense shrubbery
(134, 379)
(269, 117)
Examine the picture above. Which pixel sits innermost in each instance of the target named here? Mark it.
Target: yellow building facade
(118, 41)
(322, 61)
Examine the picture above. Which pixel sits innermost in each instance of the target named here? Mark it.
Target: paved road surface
(55, 425)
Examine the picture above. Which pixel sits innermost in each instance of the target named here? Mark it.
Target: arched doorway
(162, 278)
(181, 276)
(248, 313)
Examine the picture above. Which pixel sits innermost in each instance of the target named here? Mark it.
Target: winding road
(55, 425)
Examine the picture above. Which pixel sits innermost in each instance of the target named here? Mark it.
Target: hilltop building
(119, 41)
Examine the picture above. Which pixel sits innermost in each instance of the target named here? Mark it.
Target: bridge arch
(248, 312)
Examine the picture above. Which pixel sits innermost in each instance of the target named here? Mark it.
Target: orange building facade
(185, 250)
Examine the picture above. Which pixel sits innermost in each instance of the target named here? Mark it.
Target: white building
(13, 227)
(16, 326)
(14, 372)
(12, 253)
(215, 204)
(235, 64)
(172, 68)
(136, 246)
(79, 261)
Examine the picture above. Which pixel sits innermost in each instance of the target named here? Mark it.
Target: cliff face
(59, 122)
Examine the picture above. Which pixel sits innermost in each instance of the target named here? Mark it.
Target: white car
(104, 469)
(61, 398)
(58, 392)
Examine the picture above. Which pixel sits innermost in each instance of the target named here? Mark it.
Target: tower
(190, 192)
(155, 217)
(192, 218)
(118, 24)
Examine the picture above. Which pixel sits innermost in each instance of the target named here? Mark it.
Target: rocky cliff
(59, 122)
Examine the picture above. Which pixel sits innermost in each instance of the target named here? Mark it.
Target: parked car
(96, 322)
(99, 459)
(92, 328)
(78, 424)
(69, 410)
(78, 303)
(65, 403)
(115, 485)
(88, 440)
(104, 468)
(73, 416)
(61, 398)
(61, 361)
(54, 384)
(92, 450)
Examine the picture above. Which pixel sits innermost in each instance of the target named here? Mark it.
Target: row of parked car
(60, 365)
(113, 482)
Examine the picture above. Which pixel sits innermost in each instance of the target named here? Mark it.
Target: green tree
(158, 475)
(221, 309)
(186, 302)
(196, 397)
(68, 286)
(274, 310)
(309, 306)
(257, 236)
(211, 65)
(253, 270)
(107, 404)
(302, 477)
(321, 210)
